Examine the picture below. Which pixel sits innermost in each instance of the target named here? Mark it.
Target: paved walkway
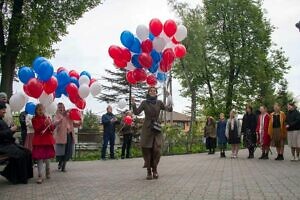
(197, 176)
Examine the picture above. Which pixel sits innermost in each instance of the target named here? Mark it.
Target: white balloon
(142, 32)
(84, 91)
(84, 79)
(46, 99)
(159, 44)
(181, 33)
(130, 66)
(17, 101)
(51, 108)
(122, 103)
(170, 45)
(165, 37)
(95, 89)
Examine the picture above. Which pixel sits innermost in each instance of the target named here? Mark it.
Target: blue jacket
(221, 128)
(108, 126)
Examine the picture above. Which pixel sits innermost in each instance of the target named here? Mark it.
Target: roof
(178, 117)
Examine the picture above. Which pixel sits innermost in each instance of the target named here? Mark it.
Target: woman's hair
(250, 107)
(277, 104)
(292, 103)
(39, 105)
(152, 88)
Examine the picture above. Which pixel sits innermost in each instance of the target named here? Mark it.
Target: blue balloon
(75, 81)
(25, 74)
(127, 38)
(135, 61)
(161, 77)
(153, 68)
(156, 57)
(151, 36)
(47, 71)
(36, 64)
(30, 108)
(57, 94)
(136, 46)
(63, 78)
(86, 73)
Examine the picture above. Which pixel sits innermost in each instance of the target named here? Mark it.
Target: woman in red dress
(263, 137)
(43, 140)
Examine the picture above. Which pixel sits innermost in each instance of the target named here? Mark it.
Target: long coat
(63, 128)
(263, 138)
(43, 134)
(152, 112)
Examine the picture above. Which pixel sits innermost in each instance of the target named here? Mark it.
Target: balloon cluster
(42, 83)
(149, 55)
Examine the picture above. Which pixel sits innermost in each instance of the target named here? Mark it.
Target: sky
(86, 45)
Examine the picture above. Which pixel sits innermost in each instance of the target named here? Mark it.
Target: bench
(87, 142)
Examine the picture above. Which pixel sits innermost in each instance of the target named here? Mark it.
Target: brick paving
(197, 176)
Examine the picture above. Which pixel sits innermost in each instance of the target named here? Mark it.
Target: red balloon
(151, 80)
(128, 120)
(115, 52)
(130, 78)
(61, 69)
(180, 51)
(81, 103)
(120, 63)
(174, 40)
(73, 73)
(126, 55)
(155, 27)
(170, 27)
(92, 81)
(147, 46)
(139, 75)
(168, 56)
(25, 88)
(75, 114)
(145, 60)
(35, 87)
(50, 85)
(164, 66)
(74, 98)
(72, 89)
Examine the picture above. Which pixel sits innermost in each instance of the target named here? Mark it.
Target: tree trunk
(229, 94)
(193, 118)
(9, 53)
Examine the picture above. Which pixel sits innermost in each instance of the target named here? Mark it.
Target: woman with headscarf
(210, 134)
(151, 137)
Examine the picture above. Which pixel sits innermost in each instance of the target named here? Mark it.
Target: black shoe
(251, 156)
(262, 156)
(266, 157)
(122, 157)
(278, 157)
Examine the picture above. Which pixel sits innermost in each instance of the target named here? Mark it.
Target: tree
(118, 88)
(90, 122)
(30, 28)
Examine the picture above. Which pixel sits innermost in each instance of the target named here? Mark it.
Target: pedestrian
(127, 132)
(29, 132)
(233, 133)
(249, 131)
(210, 135)
(263, 137)
(64, 136)
(222, 140)
(277, 130)
(151, 135)
(43, 141)
(8, 118)
(22, 120)
(293, 128)
(109, 122)
(19, 167)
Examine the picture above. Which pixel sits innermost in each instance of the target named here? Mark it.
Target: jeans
(108, 137)
(127, 139)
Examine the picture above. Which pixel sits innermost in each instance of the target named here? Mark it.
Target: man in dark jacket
(19, 168)
(22, 119)
(109, 122)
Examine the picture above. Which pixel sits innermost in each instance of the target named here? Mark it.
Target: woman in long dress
(233, 133)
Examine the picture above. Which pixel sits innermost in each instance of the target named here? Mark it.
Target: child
(43, 140)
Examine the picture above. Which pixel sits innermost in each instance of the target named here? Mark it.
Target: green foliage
(90, 122)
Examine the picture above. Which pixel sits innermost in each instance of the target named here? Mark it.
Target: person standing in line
(109, 122)
(293, 128)
(29, 131)
(222, 140)
(210, 134)
(43, 141)
(22, 120)
(263, 137)
(233, 133)
(151, 137)
(127, 132)
(64, 136)
(277, 130)
(248, 131)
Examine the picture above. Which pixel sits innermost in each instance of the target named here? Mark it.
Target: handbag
(156, 127)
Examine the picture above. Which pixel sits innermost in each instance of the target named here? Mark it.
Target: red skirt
(41, 152)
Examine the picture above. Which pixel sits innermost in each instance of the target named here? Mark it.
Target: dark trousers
(108, 137)
(23, 136)
(127, 139)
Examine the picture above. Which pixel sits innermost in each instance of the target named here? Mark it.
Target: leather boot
(149, 174)
(155, 174)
